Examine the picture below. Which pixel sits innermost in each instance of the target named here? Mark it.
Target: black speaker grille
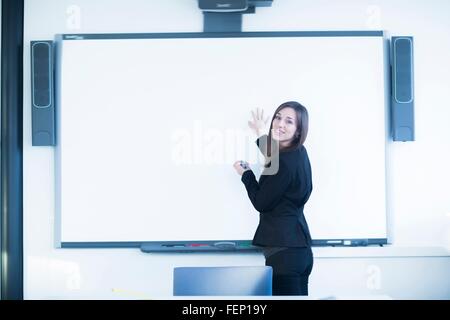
(403, 70)
(41, 74)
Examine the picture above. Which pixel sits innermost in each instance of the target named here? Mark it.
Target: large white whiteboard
(149, 129)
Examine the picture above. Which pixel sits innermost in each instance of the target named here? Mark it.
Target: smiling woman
(284, 127)
(289, 126)
(283, 232)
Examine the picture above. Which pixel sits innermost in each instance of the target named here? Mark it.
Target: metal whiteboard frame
(218, 245)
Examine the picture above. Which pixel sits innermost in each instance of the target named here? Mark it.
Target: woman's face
(284, 126)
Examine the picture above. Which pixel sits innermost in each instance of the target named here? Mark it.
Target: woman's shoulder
(290, 159)
(294, 153)
(294, 157)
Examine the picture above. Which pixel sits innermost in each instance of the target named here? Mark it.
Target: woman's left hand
(241, 167)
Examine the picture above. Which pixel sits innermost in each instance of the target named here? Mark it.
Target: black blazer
(280, 199)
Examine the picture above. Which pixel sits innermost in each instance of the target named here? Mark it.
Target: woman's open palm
(258, 124)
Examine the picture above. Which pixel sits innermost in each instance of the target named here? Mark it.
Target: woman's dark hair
(302, 126)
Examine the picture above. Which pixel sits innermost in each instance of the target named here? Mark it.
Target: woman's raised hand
(258, 124)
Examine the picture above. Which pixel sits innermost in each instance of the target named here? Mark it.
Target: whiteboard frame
(219, 245)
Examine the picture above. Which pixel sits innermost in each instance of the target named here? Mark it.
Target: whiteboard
(149, 126)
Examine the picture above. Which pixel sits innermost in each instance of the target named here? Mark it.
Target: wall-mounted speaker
(42, 94)
(402, 93)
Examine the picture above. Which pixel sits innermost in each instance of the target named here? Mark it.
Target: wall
(418, 174)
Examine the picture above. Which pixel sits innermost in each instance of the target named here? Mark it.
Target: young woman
(283, 232)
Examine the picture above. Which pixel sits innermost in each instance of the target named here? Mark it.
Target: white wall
(418, 171)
